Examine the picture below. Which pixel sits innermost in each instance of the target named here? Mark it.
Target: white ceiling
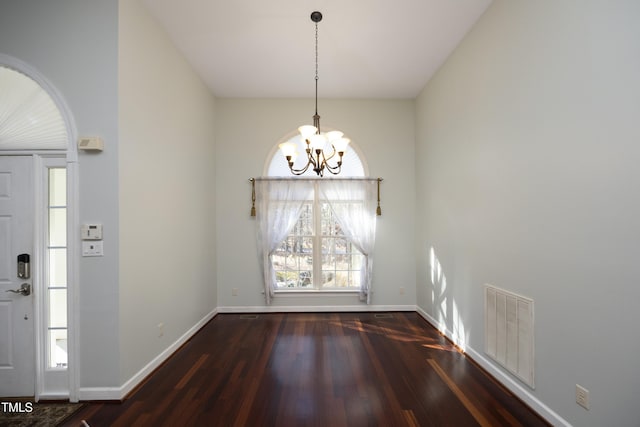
(366, 48)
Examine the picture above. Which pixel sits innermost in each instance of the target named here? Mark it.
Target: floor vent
(249, 316)
(508, 332)
(383, 316)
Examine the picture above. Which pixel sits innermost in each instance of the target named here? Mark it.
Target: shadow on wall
(444, 306)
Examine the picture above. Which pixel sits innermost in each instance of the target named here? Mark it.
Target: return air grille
(509, 332)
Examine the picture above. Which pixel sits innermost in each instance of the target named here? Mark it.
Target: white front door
(17, 355)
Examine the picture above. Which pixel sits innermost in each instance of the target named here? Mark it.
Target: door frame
(70, 156)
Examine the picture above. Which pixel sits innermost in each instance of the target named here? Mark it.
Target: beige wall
(167, 192)
(529, 142)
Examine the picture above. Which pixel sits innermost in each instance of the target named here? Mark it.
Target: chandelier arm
(310, 161)
(332, 154)
(337, 166)
(336, 169)
(333, 169)
(299, 171)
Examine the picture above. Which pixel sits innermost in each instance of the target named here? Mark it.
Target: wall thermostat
(92, 232)
(91, 143)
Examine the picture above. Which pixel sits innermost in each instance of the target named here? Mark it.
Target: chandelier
(317, 141)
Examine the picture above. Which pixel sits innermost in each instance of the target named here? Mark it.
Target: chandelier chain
(316, 68)
(316, 51)
(315, 140)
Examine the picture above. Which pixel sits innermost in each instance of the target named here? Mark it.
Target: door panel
(17, 357)
(6, 328)
(5, 249)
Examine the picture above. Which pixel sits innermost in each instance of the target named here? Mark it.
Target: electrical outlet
(582, 396)
(234, 292)
(401, 290)
(160, 329)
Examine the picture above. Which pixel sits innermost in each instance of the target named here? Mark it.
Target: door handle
(25, 290)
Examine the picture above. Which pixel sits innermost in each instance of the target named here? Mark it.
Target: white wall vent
(508, 332)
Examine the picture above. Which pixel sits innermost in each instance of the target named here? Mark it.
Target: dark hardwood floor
(315, 369)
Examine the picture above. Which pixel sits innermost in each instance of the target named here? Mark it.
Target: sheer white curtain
(279, 204)
(354, 202)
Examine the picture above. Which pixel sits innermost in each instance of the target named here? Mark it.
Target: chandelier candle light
(316, 140)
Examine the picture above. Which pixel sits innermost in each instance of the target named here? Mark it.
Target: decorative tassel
(378, 209)
(253, 196)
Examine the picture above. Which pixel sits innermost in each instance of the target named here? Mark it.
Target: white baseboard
(119, 393)
(313, 309)
(495, 371)
(53, 396)
(99, 393)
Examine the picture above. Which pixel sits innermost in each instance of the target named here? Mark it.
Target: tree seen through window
(317, 236)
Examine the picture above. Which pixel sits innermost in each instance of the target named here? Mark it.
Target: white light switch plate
(92, 248)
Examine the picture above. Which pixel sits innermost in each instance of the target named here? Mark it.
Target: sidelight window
(56, 269)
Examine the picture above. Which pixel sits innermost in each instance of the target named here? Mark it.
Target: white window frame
(317, 255)
(54, 381)
(275, 166)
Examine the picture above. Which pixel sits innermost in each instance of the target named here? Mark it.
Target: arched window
(318, 234)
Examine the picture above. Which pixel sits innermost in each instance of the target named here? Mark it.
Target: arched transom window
(29, 118)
